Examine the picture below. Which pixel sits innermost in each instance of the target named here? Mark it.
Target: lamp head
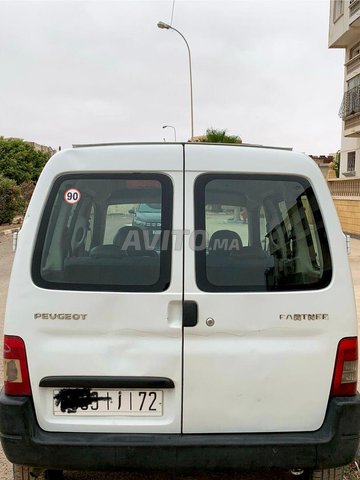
(163, 25)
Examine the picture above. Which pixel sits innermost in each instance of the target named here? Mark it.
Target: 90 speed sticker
(72, 196)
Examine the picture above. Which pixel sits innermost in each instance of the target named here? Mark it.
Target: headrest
(224, 242)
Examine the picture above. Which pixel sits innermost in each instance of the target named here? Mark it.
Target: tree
(20, 167)
(337, 163)
(11, 201)
(214, 135)
(20, 161)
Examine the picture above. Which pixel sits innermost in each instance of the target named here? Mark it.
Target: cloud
(76, 71)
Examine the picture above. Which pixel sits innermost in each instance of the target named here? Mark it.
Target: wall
(346, 196)
(349, 215)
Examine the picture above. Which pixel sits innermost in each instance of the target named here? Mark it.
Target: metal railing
(351, 103)
(354, 6)
(345, 188)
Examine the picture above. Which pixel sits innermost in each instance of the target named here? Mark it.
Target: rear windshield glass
(104, 233)
(259, 233)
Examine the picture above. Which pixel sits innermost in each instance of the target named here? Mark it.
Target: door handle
(190, 313)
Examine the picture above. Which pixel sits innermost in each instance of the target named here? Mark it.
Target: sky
(101, 71)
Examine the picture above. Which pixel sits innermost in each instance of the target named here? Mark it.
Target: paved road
(6, 257)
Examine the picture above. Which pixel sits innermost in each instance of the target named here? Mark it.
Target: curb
(9, 231)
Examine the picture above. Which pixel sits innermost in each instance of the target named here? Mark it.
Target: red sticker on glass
(72, 196)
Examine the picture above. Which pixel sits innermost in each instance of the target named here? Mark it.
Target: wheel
(23, 472)
(328, 474)
(54, 475)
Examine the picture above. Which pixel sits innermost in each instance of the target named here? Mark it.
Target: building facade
(344, 32)
(42, 148)
(323, 162)
(36, 146)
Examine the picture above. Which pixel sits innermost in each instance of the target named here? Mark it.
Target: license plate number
(103, 402)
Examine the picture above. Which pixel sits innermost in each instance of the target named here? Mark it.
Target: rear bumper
(24, 442)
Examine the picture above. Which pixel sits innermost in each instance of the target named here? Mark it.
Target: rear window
(104, 232)
(259, 233)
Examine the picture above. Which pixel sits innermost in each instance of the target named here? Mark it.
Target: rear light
(345, 372)
(16, 373)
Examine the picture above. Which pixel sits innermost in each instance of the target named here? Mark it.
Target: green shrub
(20, 161)
(214, 135)
(11, 201)
(337, 163)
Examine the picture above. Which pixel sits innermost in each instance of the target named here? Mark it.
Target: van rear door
(260, 357)
(103, 330)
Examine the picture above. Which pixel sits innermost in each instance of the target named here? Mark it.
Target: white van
(180, 307)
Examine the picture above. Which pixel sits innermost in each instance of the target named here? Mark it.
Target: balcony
(351, 103)
(345, 29)
(350, 112)
(354, 8)
(352, 127)
(353, 65)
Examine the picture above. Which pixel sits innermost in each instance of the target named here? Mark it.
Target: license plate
(103, 402)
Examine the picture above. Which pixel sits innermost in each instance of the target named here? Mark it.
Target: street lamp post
(170, 126)
(169, 27)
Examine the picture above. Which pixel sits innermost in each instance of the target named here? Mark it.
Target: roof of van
(253, 145)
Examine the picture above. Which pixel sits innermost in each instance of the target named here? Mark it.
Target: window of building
(351, 161)
(355, 51)
(354, 82)
(338, 9)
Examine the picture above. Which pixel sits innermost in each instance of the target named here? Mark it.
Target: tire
(54, 475)
(328, 474)
(23, 472)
